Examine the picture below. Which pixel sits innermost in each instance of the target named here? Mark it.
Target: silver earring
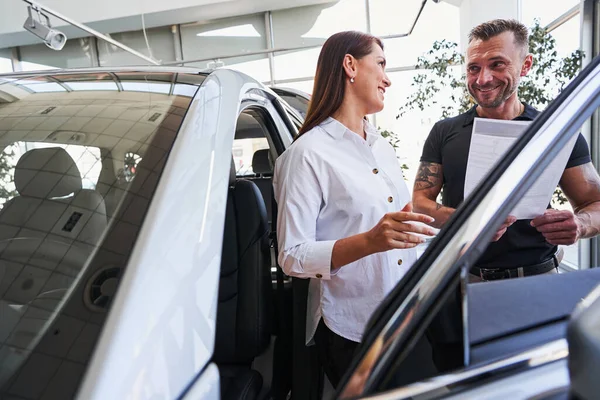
(352, 80)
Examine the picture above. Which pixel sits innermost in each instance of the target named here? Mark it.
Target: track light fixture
(53, 38)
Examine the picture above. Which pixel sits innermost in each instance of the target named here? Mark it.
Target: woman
(343, 206)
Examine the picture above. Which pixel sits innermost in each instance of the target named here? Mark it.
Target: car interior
(70, 215)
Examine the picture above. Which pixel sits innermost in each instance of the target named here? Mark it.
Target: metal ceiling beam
(38, 7)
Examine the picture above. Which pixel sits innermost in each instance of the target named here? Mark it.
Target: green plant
(395, 142)
(441, 85)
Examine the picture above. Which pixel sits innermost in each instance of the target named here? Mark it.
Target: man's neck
(508, 110)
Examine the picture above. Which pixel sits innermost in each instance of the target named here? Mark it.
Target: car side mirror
(583, 338)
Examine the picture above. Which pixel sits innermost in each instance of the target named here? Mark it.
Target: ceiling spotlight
(52, 38)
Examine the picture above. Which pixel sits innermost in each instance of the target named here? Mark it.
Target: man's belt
(491, 274)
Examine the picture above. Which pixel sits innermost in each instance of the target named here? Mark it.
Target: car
(137, 255)
(115, 188)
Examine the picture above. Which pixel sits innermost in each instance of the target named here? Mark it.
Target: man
(497, 57)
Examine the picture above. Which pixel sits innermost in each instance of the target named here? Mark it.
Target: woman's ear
(350, 65)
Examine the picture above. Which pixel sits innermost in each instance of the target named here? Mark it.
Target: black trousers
(335, 353)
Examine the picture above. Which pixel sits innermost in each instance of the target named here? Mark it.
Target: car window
(243, 151)
(78, 172)
(296, 99)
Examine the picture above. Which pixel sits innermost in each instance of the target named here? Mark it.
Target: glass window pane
(256, 67)
(412, 128)
(46, 87)
(76, 86)
(405, 50)
(243, 151)
(568, 37)
(225, 37)
(160, 40)
(384, 21)
(146, 87)
(77, 53)
(305, 86)
(5, 61)
(311, 25)
(545, 11)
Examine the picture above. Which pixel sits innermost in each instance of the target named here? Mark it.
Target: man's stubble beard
(500, 99)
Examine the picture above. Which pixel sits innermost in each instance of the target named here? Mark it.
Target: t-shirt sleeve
(432, 149)
(580, 154)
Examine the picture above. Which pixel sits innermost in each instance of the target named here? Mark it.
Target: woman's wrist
(350, 249)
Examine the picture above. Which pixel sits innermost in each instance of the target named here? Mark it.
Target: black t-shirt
(448, 144)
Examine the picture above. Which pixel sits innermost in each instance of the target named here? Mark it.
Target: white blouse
(329, 185)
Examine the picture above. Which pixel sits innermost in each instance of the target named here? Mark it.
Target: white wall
(110, 16)
(474, 12)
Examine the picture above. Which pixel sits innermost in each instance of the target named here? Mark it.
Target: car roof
(91, 70)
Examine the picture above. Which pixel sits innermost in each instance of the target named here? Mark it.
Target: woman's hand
(395, 230)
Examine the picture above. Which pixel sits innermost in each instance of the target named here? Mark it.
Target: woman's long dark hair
(330, 79)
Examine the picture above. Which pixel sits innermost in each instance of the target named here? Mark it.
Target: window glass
(545, 11)
(243, 151)
(257, 67)
(77, 175)
(568, 37)
(305, 86)
(411, 128)
(230, 36)
(297, 101)
(77, 53)
(405, 50)
(5, 61)
(311, 25)
(161, 43)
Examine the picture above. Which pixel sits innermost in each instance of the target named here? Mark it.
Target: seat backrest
(262, 167)
(245, 293)
(51, 209)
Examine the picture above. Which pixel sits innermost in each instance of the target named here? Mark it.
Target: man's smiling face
(494, 69)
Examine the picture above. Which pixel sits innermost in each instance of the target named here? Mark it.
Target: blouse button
(319, 276)
(390, 199)
(375, 171)
(400, 261)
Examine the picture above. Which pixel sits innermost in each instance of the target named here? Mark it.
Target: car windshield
(81, 156)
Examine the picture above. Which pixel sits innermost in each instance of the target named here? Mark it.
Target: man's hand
(508, 222)
(558, 226)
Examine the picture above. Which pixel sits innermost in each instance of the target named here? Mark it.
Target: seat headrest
(47, 173)
(261, 162)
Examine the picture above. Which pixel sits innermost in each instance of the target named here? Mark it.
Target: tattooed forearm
(428, 176)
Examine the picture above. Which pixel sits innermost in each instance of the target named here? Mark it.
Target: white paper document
(491, 138)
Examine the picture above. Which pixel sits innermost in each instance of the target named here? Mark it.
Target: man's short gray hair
(490, 29)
